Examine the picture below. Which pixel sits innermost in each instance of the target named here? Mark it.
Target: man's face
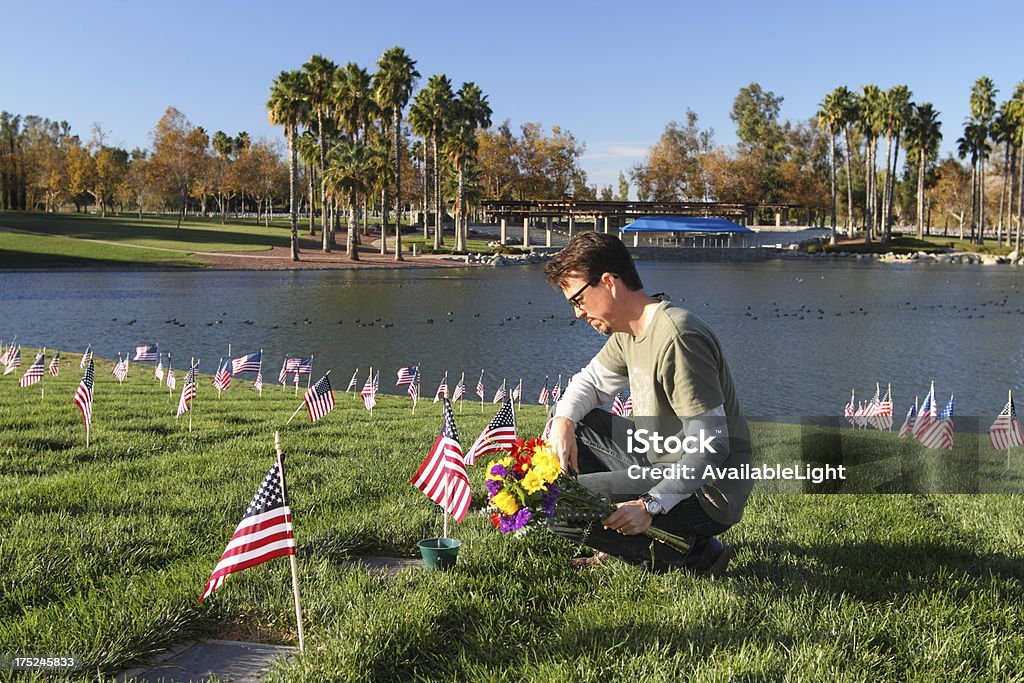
(591, 301)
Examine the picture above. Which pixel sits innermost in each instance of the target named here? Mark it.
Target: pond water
(798, 334)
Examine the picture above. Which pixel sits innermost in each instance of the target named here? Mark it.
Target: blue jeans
(602, 465)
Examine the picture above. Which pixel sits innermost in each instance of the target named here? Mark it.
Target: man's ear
(610, 280)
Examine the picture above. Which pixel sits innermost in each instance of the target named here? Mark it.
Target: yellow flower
(546, 465)
(533, 481)
(506, 503)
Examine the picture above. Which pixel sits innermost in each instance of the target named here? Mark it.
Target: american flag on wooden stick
(13, 360)
(319, 399)
(159, 372)
(86, 357)
(908, 422)
(499, 435)
(120, 370)
(442, 476)
(940, 431)
(442, 389)
(55, 365)
(171, 382)
(619, 405)
(459, 391)
(222, 380)
(258, 384)
(542, 398)
(1005, 431)
(188, 392)
(146, 352)
(369, 392)
(406, 375)
(926, 415)
(556, 393)
(264, 533)
(250, 362)
(480, 386)
(500, 395)
(354, 382)
(34, 373)
(84, 394)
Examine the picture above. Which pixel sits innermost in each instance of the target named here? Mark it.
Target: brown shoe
(585, 561)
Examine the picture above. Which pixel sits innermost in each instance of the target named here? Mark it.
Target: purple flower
(493, 487)
(499, 470)
(510, 523)
(549, 499)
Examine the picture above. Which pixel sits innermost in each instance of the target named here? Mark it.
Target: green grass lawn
(105, 550)
(18, 250)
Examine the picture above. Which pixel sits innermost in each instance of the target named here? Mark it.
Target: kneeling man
(661, 467)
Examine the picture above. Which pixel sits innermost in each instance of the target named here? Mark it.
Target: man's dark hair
(589, 255)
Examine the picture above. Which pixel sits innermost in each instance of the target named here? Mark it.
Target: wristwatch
(652, 505)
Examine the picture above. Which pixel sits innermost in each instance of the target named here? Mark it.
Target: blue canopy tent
(687, 226)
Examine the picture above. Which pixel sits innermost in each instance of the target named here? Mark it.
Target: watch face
(653, 506)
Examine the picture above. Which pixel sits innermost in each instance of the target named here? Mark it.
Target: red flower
(495, 519)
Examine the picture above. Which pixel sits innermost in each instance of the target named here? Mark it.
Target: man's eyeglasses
(574, 300)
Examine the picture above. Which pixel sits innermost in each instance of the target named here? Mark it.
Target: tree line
(861, 133)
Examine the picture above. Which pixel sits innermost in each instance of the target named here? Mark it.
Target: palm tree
(392, 87)
(924, 132)
(983, 109)
(471, 111)
(1002, 133)
(285, 108)
(896, 112)
(1017, 116)
(320, 74)
(849, 105)
(309, 152)
(830, 120)
(354, 106)
(869, 124)
(429, 115)
(971, 144)
(349, 174)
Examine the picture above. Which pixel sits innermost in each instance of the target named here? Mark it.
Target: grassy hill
(105, 550)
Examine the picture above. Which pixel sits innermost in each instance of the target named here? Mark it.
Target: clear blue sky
(612, 73)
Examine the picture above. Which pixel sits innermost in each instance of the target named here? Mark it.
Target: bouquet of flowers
(526, 488)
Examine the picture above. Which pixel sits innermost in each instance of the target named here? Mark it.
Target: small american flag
(480, 386)
(258, 384)
(120, 370)
(940, 432)
(369, 392)
(86, 357)
(159, 372)
(499, 435)
(55, 365)
(628, 407)
(442, 389)
(319, 399)
(849, 409)
(517, 391)
(222, 380)
(13, 360)
(171, 382)
(289, 365)
(460, 390)
(84, 393)
(264, 533)
(34, 373)
(251, 362)
(881, 416)
(556, 393)
(188, 392)
(414, 385)
(1005, 431)
(146, 352)
(619, 405)
(353, 383)
(908, 422)
(542, 398)
(442, 476)
(500, 395)
(926, 415)
(405, 375)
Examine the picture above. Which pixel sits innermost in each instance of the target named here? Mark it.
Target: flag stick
(86, 435)
(291, 557)
(462, 381)
(1009, 400)
(371, 389)
(888, 392)
(192, 365)
(310, 375)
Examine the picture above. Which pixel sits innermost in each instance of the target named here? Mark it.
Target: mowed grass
(134, 242)
(105, 550)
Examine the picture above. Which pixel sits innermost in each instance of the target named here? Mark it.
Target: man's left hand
(631, 518)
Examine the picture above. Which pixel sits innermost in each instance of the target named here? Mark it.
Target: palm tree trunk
(396, 121)
(832, 159)
(849, 183)
(438, 215)
(293, 209)
(324, 227)
(974, 196)
(1020, 195)
(312, 204)
(869, 204)
(920, 195)
(425, 205)
(1002, 197)
(892, 186)
(384, 221)
(981, 201)
(350, 242)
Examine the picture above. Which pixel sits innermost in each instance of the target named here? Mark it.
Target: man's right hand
(562, 439)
